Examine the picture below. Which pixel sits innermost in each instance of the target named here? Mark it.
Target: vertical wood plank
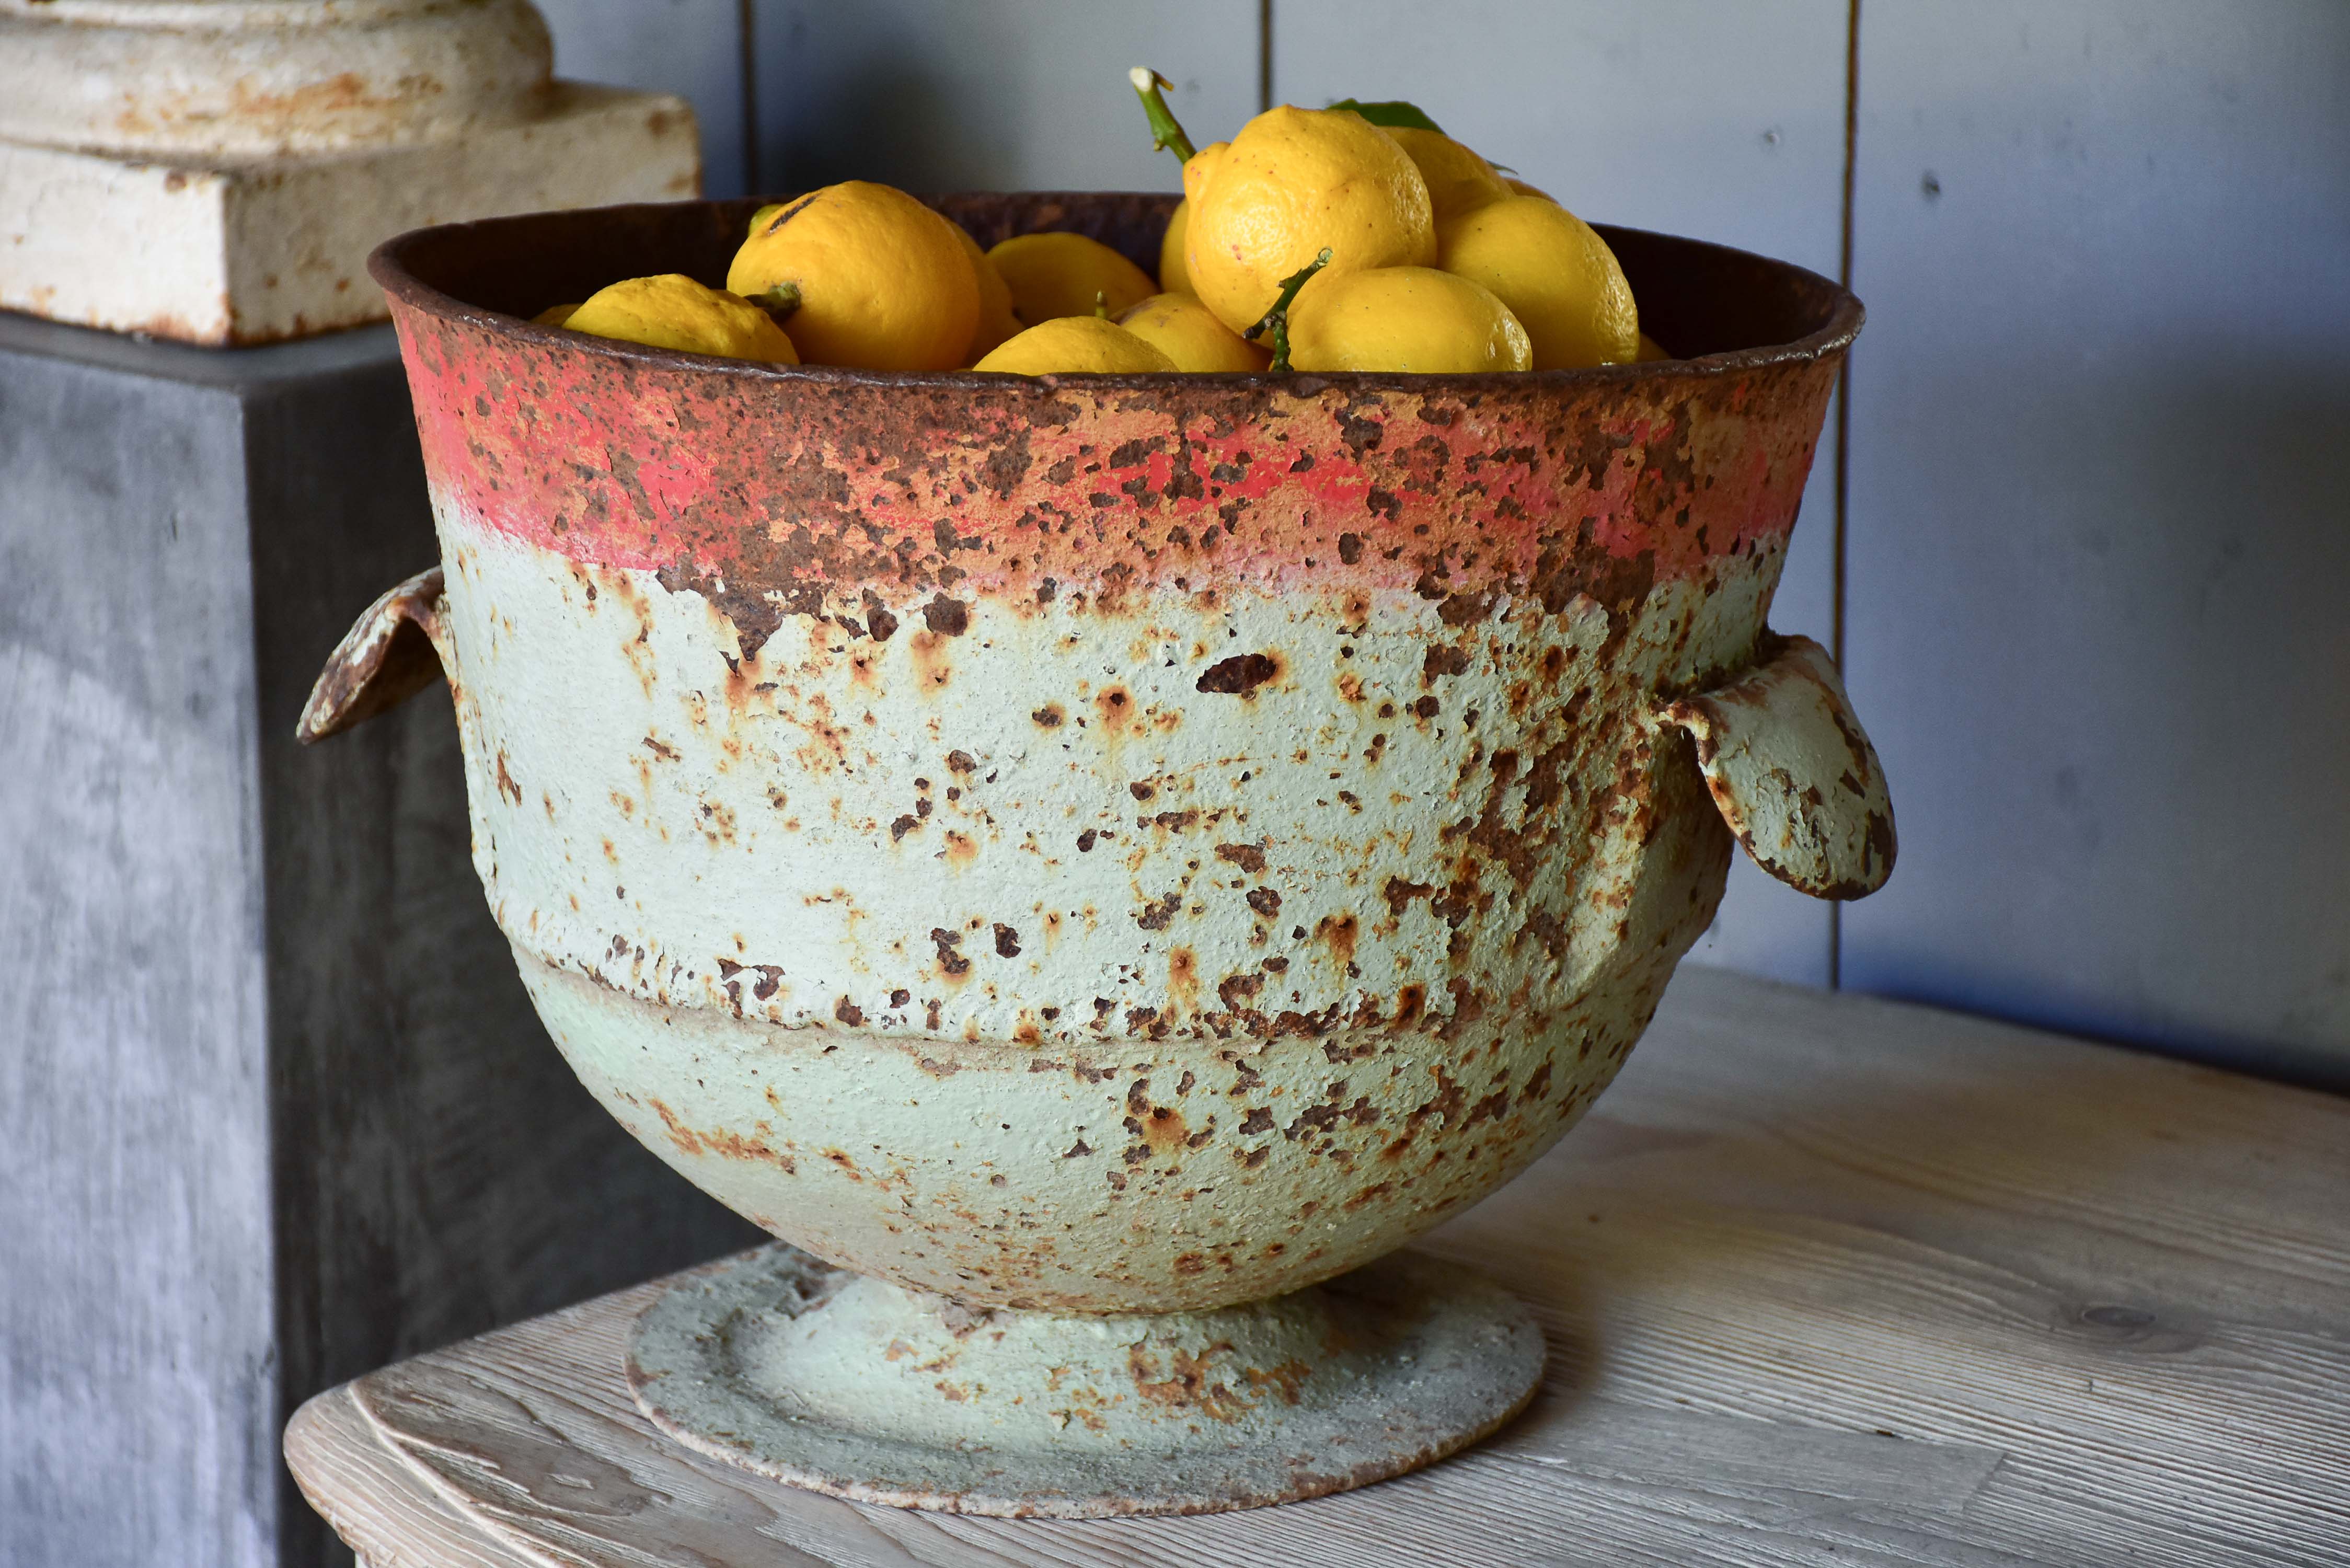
(1721, 122)
(2099, 554)
(689, 48)
(137, 1386)
(992, 94)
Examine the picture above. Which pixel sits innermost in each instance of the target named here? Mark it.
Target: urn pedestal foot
(842, 1384)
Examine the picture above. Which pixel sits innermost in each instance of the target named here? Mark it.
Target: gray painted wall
(2099, 602)
(2098, 546)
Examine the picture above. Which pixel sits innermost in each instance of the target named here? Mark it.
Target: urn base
(826, 1379)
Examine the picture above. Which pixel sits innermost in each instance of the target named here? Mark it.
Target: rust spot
(848, 1012)
(1321, 1120)
(1007, 942)
(1189, 1382)
(1537, 1087)
(1339, 932)
(686, 1141)
(932, 670)
(1162, 1130)
(1249, 858)
(1465, 610)
(1265, 901)
(1183, 978)
(735, 1147)
(945, 617)
(1239, 675)
(1284, 1380)
(1049, 717)
(1399, 893)
(724, 1144)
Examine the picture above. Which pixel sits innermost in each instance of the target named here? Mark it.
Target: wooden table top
(1827, 1280)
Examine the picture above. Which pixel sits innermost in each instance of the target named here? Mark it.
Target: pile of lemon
(1357, 237)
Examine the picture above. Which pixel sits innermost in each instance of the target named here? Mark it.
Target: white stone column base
(230, 252)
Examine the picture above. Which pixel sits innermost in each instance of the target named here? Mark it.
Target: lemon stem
(1101, 304)
(1277, 318)
(1165, 134)
(778, 302)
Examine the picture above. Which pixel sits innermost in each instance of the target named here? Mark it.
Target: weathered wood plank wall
(274, 1107)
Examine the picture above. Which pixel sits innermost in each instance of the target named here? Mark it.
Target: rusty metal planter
(1108, 843)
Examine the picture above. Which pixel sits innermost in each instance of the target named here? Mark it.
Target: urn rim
(481, 274)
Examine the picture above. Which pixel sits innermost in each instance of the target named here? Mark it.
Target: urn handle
(1793, 772)
(392, 652)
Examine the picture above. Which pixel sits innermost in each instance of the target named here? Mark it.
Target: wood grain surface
(1827, 1280)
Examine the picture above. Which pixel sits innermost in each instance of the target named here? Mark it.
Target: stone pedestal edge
(246, 252)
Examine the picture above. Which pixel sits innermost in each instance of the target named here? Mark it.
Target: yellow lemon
(1403, 319)
(1051, 275)
(1199, 169)
(672, 311)
(1458, 179)
(996, 321)
(883, 282)
(1075, 346)
(1557, 275)
(759, 219)
(1293, 181)
(1171, 276)
(554, 314)
(1651, 350)
(1189, 334)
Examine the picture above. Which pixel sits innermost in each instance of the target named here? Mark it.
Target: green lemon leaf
(1397, 113)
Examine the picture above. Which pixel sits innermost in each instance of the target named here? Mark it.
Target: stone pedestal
(216, 171)
(273, 1109)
